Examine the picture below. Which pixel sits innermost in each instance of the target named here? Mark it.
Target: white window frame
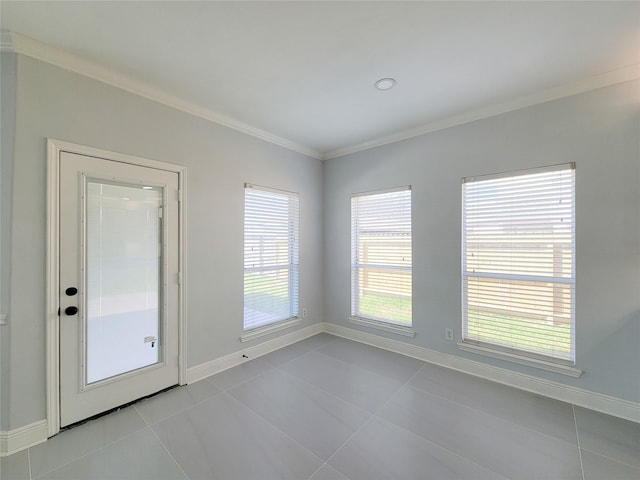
(491, 268)
(253, 326)
(403, 224)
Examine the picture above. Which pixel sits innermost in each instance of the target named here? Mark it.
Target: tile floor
(328, 408)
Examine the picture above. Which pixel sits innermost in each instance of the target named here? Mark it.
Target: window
(270, 256)
(381, 256)
(518, 262)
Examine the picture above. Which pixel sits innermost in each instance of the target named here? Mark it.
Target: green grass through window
(384, 307)
(533, 335)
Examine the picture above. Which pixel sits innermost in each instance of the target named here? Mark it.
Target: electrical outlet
(304, 312)
(448, 334)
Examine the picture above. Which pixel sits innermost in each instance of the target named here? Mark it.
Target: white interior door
(119, 262)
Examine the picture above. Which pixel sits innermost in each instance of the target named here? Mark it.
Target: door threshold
(115, 409)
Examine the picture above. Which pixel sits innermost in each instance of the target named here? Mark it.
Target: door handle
(71, 310)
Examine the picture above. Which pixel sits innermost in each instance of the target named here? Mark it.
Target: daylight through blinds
(518, 262)
(270, 256)
(381, 256)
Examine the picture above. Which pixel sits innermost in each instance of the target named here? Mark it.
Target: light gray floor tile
(240, 374)
(501, 446)
(285, 354)
(545, 415)
(382, 362)
(284, 413)
(609, 436)
(597, 467)
(222, 439)
(293, 351)
(382, 451)
(317, 420)
(361, 387)
(327, 472)
(15, 467)
(169, 403)
(316, 341)
(136, 457)
(71, 444)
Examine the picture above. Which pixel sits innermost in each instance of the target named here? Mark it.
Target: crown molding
(12, 41)
(18, 43)
(621, 75)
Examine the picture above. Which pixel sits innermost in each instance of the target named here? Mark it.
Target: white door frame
(54, 148)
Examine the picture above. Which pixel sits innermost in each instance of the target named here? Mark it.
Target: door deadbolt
(71, 291)
(71, 310)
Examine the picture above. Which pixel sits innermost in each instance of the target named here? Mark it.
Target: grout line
(318, 387)
(95, 449)
(375, 415)
(29, 462)
(269, 364)
(355, 432)
(493, 415)
(330, 394)
(423, 438)
(368, 420)
(621, 462)
(141, 416)
(313, 386)
(325, 464)
(306, 352)
(406, 384)
(477, 410)
(317, 470)
(575, 422)
(264, 419)
(442, 447)
(182, 410)
(482, 412)
(166, 449)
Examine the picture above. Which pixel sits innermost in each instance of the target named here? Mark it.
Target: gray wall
(7, 131)
(600, 131)
(55, 103)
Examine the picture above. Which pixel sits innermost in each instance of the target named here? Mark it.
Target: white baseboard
(576, 396)
(13, 441)
(207, 369)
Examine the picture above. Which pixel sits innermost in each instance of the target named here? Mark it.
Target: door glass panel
(123, 275)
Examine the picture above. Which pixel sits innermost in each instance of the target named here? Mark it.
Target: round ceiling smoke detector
(385, 83)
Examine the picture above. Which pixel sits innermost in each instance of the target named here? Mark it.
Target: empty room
(319, 240)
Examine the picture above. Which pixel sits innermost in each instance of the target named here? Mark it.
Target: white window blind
(381, 256)
(518, 262)
(270, 256)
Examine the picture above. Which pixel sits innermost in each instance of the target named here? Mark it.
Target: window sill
(269, 329)
(515, 358)
(386, 327)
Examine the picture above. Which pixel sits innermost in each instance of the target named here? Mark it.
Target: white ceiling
(304, 71)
